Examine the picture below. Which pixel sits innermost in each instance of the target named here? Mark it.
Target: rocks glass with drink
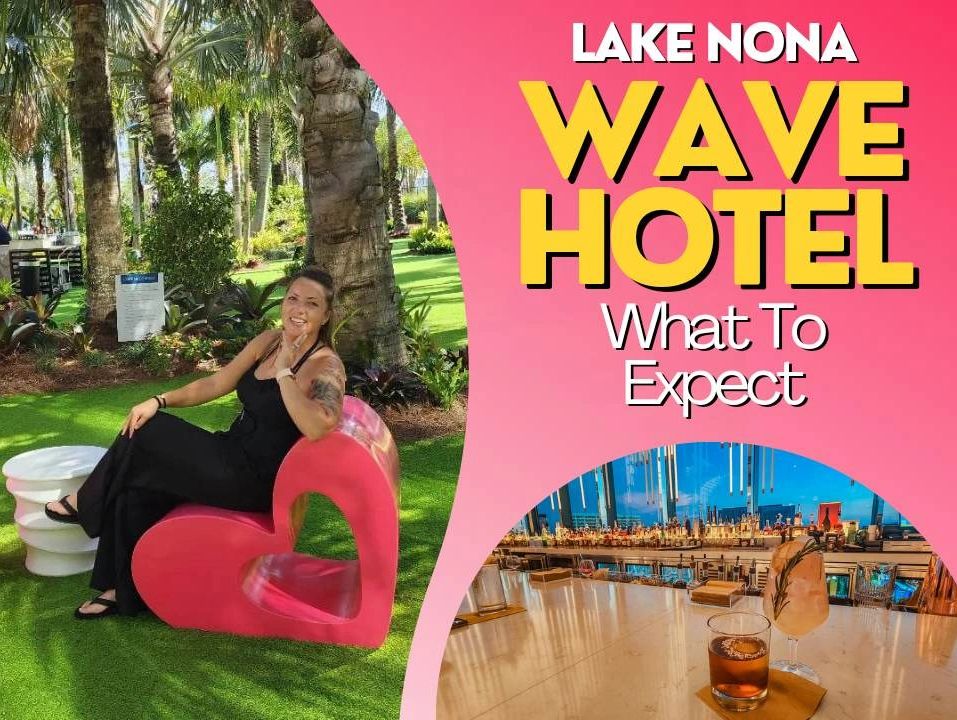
(795, 598)
(738, 645)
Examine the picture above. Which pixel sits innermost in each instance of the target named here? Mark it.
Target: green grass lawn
(421, 276)
(127, 668)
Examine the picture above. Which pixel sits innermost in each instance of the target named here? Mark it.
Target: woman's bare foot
(103, 604)
(63, 510)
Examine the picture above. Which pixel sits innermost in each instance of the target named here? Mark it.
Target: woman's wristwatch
(285, 372)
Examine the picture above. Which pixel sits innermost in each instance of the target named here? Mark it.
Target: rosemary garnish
(779, 598)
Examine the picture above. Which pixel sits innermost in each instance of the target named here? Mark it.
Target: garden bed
(19, 376)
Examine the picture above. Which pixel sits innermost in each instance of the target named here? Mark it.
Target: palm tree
(399, 227)
(344, 190)
(167, 34)
(197, 145)
(93, 110)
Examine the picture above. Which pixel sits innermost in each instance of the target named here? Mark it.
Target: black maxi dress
(168, 462)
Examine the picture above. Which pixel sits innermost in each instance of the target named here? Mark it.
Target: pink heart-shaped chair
(236, 572)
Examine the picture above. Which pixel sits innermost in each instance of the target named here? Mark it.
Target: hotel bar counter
(598, 650)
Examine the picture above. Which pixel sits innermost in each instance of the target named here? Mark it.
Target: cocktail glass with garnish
(795, 598)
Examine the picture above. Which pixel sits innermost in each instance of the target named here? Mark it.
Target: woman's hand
(138, 416)
(288, 349)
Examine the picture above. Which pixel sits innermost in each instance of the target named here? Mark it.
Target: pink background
(546, 396)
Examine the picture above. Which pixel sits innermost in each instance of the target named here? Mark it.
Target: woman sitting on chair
(290, 383)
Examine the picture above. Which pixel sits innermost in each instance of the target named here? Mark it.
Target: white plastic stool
(40, 476)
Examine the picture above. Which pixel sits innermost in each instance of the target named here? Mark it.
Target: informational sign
(140, 311)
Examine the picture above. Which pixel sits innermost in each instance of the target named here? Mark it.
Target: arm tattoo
(328, 387)
(328, 393)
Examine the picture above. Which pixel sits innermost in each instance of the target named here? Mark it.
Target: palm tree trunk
(399, 228)
(432, 204)
(264, 171)
(94, 115)
(69, 217)
(237, 167)
(220, 151)
(344, 192)
(17, 205)
(159, 96)
(59, 180)
(119, 176)
(136, 182)
(247, 184)
(40, 216)
(252, 143)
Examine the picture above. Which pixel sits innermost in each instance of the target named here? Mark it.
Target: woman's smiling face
(304, 309)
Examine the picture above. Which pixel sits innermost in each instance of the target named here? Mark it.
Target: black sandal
(110, 605)
(71, 517)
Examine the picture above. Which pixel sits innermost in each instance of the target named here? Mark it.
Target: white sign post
(140, 311)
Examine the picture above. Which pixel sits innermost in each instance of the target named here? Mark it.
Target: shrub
(159, 354)
(293, 267)
(94, 358)
(7, 293)
(427, 241)
(443, 378)
(287, 212)
(283, 252)
(131, 353)
(45, 359)
(384, 387)
(196, 349)
(414, 204)
(189, 236)
(268, 239)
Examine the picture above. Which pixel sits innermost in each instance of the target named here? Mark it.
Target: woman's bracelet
(160, 401)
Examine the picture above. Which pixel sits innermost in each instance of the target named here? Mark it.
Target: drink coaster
(789, 698)
(475, 618)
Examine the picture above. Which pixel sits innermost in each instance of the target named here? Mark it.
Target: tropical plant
(181, 322)
(41, 308)
(444, 379)
(163, 36)
(252, 301)
(414, 317)
(384, 387)
(15, 329)
(77, 342)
